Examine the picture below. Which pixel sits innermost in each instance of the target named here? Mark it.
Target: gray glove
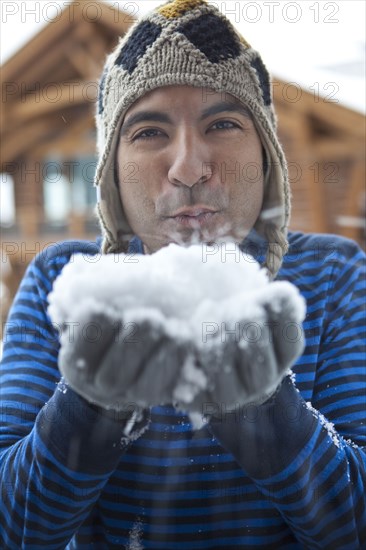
(112, 364)
(140, 363)
(244, 365)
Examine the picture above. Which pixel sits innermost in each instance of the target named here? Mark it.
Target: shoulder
(321, 249)
(47, 265)
(322, 263)
(62, 251)
(338, 243)
(65, 249)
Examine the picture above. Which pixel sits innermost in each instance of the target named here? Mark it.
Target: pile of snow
(190, 290)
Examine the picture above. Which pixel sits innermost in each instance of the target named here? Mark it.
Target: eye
(149, 133)
(224, 125)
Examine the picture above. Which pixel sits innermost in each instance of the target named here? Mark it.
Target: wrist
(94, 438)
(265, 438)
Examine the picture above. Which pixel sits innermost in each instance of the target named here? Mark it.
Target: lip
(194, 217)
(193, 211)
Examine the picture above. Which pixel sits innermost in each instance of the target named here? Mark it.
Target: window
(81, 175)
(56, 192)
(7, 201)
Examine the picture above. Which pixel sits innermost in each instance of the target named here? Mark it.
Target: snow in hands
(186, 289)
(198, 298)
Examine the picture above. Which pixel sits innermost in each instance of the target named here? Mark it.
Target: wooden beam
(22, 64)
(333, 114)
(332, 148)
(29, 196)
(33, 133)
(341, 144)
(13, 146)
(289, 97)
(36, 72)
(313, 191)
(72, 142)
(118, 21)
(49, 100)
(353, 220)
(97, 48)
(85, 65)
(32, 61)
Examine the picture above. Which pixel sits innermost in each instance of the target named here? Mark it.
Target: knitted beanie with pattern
(188, 42)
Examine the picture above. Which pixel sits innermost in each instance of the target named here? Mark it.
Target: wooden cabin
(48, 140)
(324, 144)
(48, 137)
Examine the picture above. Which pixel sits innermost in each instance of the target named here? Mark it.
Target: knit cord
(277, 248)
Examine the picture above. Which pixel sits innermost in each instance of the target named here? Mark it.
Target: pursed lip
(193, 211)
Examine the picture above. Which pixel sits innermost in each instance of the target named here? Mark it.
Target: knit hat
(188, 42)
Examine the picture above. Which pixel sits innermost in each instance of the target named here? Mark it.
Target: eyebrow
(158, 116)
(144, 116)
(233, 107)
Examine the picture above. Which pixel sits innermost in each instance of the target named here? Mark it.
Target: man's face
(190, 167)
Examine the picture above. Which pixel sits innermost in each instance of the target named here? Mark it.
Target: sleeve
(307, 458)
(57, 451)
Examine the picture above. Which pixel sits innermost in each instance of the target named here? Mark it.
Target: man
(184, 100)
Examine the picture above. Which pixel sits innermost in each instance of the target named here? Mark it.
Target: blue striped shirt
(288, 474)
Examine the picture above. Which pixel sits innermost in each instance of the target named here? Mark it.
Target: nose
(190, 162)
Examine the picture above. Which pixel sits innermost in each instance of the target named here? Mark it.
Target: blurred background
(52, 54)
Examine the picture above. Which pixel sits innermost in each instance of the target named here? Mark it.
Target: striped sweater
(288, 474)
